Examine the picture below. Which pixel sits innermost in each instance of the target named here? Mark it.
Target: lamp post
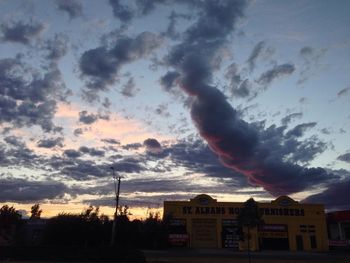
(116, 191)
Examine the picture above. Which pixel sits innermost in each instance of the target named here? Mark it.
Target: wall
(284, 218)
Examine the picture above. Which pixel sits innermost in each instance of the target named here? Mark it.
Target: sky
(234, 99)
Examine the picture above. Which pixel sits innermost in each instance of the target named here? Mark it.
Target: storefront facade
(203, 222)
(339, 229)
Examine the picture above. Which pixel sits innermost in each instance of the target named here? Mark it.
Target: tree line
(87, 229)
(90, 228)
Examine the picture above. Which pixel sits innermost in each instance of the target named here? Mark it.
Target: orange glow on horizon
(51, 210)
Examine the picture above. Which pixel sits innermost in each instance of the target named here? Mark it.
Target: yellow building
(203, 222)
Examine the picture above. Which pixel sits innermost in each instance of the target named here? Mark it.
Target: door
(204, 233)
(300, 244)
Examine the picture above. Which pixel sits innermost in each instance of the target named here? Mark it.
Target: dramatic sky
(234, 99)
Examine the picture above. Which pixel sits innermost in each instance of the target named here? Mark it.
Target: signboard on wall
(179, 240)
(273, 231)
(204, 233)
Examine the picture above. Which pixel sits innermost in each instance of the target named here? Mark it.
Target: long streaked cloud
(290, 117)
(276, 72)
(343, 92)
(26, 191)
(51, 142)
(241, 146)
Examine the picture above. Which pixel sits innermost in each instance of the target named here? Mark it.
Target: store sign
(282, 211)
(339, 243)
(219, 210)
(174, 238)
(273, 231)
(272, 228)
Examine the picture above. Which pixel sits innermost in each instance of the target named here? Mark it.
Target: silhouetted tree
(10, 221)
(35, 211)
(85, 229)
(249, 217)
(154, 231)
(9, 215)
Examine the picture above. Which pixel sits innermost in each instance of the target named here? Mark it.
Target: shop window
(313, 242)
(346, 228)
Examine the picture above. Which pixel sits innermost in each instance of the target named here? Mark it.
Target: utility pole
(116, 191)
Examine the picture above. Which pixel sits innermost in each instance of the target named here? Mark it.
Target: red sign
(272, 228)
(339, 243)
(178, 238)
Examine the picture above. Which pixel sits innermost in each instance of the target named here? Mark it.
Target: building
(339, 229)
(203, 222)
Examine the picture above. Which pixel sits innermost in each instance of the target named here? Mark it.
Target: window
(313, 242)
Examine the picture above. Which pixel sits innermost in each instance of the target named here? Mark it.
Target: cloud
(21, 32)
(326, 131)
(91, 151)
(311, 57)
(83, 169)
(22, 190)
(335, 197)
(162, 110)
(70, 153)
(57, 47)
(110, 141)
(51, 142)
(73, 8)
(343, 92)
(168, 81)
(306, 51)
(123, 12)
(290, 117)
(276, 72)
(14, 141)
(78, 131)
(247, 149)
(243, 90)
(171, 29)
(299, 130)
(256, 53)
(100, 66)
(129, 89)
(18, 154)
(197, 157)
(132, 146)
(238, 87)
(86, 118)
(129, 165)
(344, 157)
(71, 166)
(27, 97)
(152, 146)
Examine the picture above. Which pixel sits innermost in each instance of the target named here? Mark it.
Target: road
(227, 256)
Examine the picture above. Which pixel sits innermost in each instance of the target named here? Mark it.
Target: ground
(227, 256)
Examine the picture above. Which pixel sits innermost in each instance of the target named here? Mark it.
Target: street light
(116, 191)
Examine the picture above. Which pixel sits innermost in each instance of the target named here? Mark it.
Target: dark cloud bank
(265, 156)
